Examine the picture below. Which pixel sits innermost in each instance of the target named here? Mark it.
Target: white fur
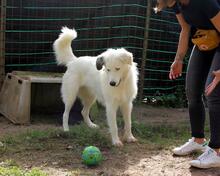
(82, 79)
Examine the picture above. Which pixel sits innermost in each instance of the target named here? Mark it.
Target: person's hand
(214, 83)
(176, 69)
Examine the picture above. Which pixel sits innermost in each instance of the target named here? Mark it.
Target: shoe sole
(189, 153)
(205, 167)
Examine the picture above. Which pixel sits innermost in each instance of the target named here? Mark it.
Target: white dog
(110, 77)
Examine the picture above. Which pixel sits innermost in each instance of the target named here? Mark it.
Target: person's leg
(213, 101)
(211, 158)
(197, 71)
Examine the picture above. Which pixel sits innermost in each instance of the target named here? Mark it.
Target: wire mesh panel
(33, 25)
(163, 41)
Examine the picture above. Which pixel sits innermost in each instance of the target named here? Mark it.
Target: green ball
(91, 156)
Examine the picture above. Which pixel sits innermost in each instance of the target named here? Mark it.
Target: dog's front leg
(126, 109)
(66, 118)
(111, 117)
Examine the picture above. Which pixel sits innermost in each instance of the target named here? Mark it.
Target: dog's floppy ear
(127, 57)
(100, 62)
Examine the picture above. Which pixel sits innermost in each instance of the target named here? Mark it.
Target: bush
(175, 100)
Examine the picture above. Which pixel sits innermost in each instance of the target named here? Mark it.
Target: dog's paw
(66, 129)
(117, 143)
(93, 125)
(130, 139)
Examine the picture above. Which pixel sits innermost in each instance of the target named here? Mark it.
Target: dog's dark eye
(108, 70)
(117, 69)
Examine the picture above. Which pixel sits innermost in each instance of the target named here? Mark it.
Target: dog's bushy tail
(62, 46)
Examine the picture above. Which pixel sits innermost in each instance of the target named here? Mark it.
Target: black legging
(199, 75)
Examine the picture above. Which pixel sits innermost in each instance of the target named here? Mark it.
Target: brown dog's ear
(100, 62)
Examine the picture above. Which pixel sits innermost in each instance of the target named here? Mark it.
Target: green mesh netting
(31, 26)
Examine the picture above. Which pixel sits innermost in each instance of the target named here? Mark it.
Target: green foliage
(166, 100)
(174, 100)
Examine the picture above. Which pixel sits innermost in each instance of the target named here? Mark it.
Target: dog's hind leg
(87, 100)
(69, 94)
(68, 106)
(126, 109)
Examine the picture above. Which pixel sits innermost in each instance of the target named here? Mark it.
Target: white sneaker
(207, 160)
(189, 147)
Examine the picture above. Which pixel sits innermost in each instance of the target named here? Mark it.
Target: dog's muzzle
(113, 83)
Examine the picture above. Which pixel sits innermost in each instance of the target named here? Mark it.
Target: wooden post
(145, 46)
(2, 41)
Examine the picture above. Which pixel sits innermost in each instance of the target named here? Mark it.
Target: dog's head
(116, 63)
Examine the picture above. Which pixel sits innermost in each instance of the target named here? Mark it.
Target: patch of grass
(9, 140)
(78, 172)
(10, 168)
(29, 140)
(36, 135)
(29, 135)
(163, 136)
(16, 171)
(84, 136)
(165, 131)
(79, 135)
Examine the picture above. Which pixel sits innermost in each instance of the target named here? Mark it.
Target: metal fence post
(145, 46)
(2, 41)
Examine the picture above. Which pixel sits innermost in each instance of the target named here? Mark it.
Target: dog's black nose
(112, 83)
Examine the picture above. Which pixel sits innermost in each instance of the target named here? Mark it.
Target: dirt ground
(134, 160)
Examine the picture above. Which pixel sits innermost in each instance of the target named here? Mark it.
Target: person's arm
(177, 65)
(214, 83)
(183, 38)
(216, 21)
